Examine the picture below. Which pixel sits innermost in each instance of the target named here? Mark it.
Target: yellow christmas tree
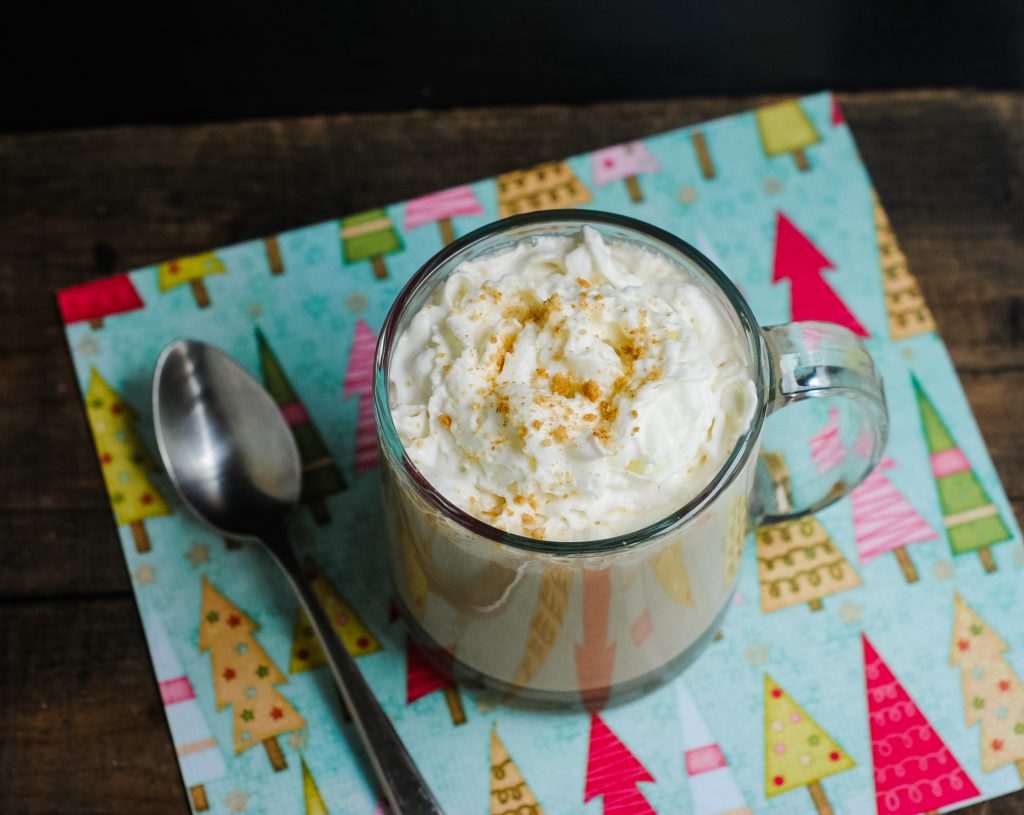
(904, 304)
(190, 270)
(799, 563)
(510, 794)
(670, 570)
(124, 459)
(311, 793)
(244, 677)
(785, 128)
(547, 186)
(357, 638)
(797, 751)
(992, 691)
(546, 622)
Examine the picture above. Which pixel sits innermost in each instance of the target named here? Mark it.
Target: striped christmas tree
(713, 787)
(884, 521)
(320, 475)
(973, 523)
(200, 758)
(359, 382)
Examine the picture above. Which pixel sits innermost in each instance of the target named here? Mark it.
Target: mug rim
(727, 473)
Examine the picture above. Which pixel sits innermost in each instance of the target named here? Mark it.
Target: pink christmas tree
(811, 297)
(826, 447)
(359, 382)
(884, 521)
(914, 770)
(442, 207)
(422, 678)
(613, 772)
(98, 299)
(624, 162)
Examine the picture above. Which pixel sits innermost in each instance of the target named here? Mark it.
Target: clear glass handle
(835, 425)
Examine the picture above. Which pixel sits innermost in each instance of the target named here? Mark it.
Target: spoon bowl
(224, 440)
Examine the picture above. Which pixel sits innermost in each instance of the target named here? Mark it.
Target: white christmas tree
(713, 787)
(198, 755)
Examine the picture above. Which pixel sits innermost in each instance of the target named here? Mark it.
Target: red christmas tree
(837, 114)
(423, 679)
(98, 299)
(359, 382)
(811, 297)
(613, 772)
(914, 770)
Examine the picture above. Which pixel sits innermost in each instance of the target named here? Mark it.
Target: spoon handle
(403, 786)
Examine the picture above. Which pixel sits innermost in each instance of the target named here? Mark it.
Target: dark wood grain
(83, 729)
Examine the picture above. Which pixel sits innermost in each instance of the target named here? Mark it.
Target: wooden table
(81, 724)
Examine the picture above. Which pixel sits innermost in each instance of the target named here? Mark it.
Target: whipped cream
(570, 388)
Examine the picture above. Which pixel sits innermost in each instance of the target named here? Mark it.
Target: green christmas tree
(993, 693)
(369, 236)
(124, 459)
(972, 521)
(320, 475)
(797, 751)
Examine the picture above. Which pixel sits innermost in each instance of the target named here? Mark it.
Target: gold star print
(255, 309)
(88, 346)
(757, 654)
(198, 553)
(1018, 554)
(297, 740)
(237, 801)
(356, 302)
(145, 575)
(850, 612)
(687, 195)
(942, 569)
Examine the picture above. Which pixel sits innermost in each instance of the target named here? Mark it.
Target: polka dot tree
(358, 639)
(124, 460)
(992, 692)
(797, 752)
(245, 678)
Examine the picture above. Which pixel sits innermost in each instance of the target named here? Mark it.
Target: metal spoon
(233, 460)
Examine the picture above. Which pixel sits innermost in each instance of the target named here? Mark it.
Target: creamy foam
(569, 388)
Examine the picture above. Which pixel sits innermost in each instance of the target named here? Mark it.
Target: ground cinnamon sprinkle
(528, 519)
(609, 412)
(591, 390)
(589, 417)
(502, 406)
(445, 420)
(560, 434)
(583, 283)
(537, 424)
(564, 385)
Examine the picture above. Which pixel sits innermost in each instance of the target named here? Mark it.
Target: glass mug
(570, 623)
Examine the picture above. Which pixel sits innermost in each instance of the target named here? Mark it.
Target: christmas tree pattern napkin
(873, 657)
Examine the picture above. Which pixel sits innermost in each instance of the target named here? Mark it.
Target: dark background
(103, 64)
